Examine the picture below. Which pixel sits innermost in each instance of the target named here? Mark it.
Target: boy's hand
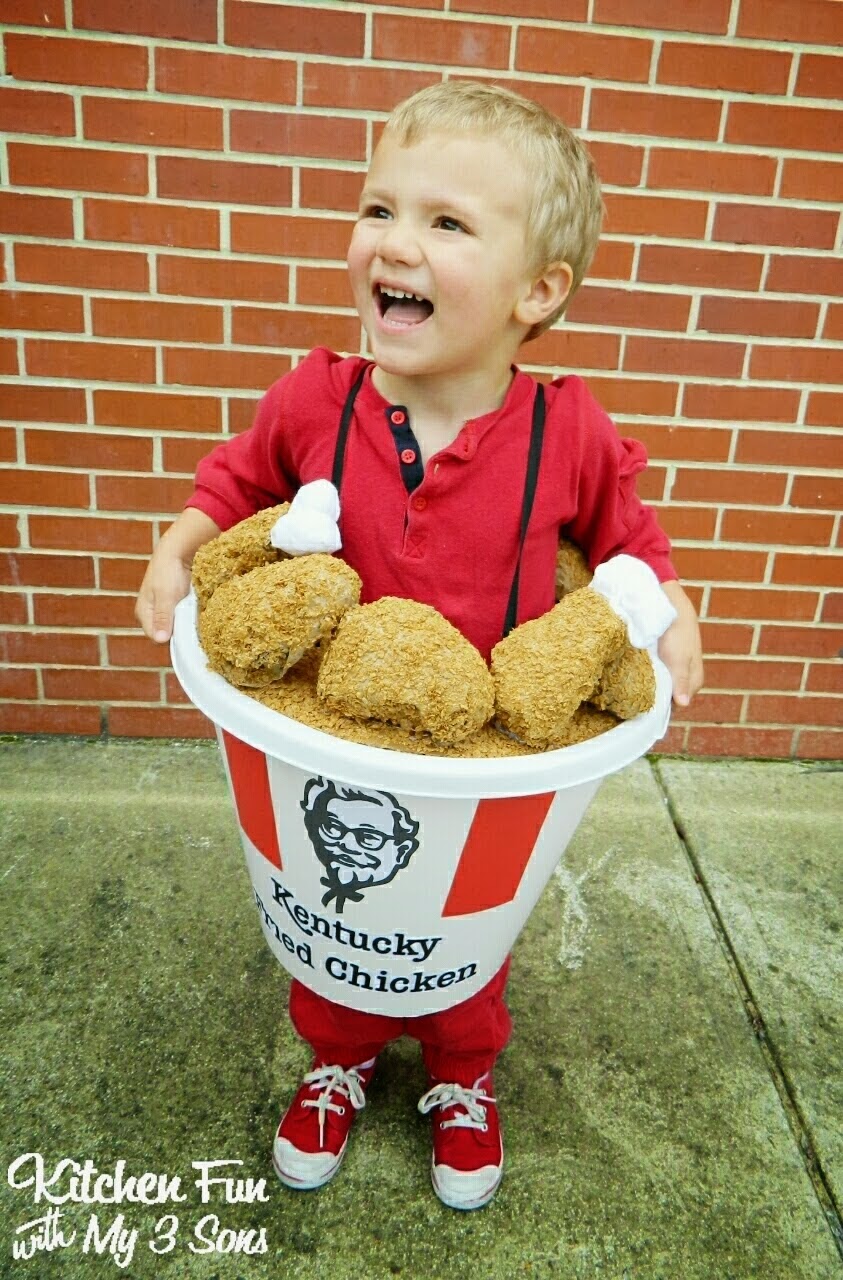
(167, 578)
(166, 581)
(680, 648)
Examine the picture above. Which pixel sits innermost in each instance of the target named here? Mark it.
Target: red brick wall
(178, 179)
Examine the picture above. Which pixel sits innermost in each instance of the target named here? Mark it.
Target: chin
(405, 364)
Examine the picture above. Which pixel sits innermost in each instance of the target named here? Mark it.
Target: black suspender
(533, 461)
(345, 423)
(533, 464)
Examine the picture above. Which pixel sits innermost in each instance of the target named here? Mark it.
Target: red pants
(459, 1044)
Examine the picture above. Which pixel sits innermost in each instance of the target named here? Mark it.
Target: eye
(370, 839)
(375, 211)
(449, 224)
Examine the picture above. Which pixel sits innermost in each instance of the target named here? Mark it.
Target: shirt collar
(519, 393)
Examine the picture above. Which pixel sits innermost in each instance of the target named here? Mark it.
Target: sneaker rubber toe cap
(304, 1170)
(466, 1189)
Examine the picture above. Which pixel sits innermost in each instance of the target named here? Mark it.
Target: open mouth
(401, 307)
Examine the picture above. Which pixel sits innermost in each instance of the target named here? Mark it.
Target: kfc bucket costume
(451, 535)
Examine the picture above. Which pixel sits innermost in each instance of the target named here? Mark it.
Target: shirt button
(408, 455)
(419, 503)
(398, 417)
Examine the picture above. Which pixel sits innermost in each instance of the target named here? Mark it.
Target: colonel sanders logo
(362, 838)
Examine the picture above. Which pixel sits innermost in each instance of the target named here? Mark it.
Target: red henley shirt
(452, 542)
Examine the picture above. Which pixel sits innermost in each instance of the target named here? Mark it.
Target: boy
(479, 216)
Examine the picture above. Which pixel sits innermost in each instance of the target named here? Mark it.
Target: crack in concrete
(796, 1119)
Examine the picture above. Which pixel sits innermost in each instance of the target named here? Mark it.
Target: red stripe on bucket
(250, 783)
(495, 855)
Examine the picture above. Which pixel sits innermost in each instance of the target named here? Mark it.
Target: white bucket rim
(459, 777)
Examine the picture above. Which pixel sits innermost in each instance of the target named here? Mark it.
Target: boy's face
(444, 219)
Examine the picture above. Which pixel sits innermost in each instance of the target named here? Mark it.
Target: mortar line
(796, 1119)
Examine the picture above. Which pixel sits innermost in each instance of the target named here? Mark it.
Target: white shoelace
(348, 1084)
(473, 1115)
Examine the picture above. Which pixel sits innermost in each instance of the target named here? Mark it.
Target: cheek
(359, 253)
(461, 276)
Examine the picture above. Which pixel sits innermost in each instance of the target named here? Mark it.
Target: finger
(162, 620)
(697, 676)
(143, 613)
(682, 687)
(154, 611)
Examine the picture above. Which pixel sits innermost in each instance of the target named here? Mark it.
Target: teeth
(400, 293)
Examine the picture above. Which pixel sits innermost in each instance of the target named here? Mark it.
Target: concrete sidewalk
(672, 1097)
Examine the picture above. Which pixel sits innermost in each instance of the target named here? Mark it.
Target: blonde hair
(566, 208)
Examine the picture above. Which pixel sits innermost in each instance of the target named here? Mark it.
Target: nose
(399, 243)
(362, 858)
(348, 843)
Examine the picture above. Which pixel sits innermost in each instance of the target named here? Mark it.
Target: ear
(405, 852)
(544, 294)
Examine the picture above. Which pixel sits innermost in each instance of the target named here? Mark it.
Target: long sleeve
(611, 518)
(248, 473)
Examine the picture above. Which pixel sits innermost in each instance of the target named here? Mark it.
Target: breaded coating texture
(240, 549)
(546, 668)
(295, 696)
(628, 686)
(572, 571)
(586, 722)
(255, 627)
(402, 662)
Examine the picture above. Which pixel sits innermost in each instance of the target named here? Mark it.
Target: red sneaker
(313, 1133)
(467, 1148)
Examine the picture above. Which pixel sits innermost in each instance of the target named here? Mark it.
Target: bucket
(390, 882)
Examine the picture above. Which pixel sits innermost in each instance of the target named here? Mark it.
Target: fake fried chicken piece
(546, 668)
(402, 662)
(256, 626)
(572, 571)
(628, 685)
(238, 550)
